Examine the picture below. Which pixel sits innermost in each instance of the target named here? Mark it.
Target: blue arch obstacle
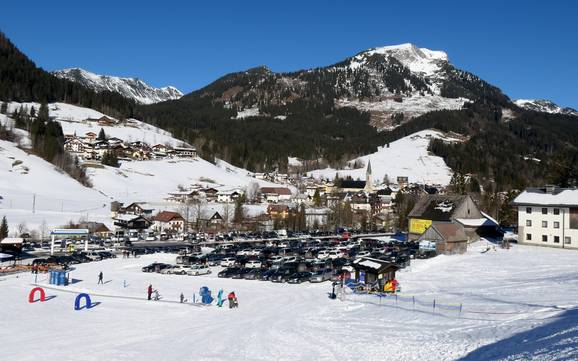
(79, 298)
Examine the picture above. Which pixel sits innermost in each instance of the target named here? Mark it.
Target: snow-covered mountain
(393, 83)
(545, 106)
(132, 88)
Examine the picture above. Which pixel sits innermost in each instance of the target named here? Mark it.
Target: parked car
(252, 274)
(175, 270)
(95, 256)
(299, 277)
(253, 264)
(227, 272)
(199, 269)
(106, 254)
(228, 262)
(265, 275)
(240, 273)
(155, 267)
(281, 275)
(320, 276)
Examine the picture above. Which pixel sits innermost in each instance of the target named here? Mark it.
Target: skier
(149, 291)
(100, 275)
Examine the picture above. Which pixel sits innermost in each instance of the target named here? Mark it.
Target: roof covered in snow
(437, 207)
(548, 196)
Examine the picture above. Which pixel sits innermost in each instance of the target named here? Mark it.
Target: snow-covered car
(228, 262)
(290, 259)
(199, 269)
(244, 252)
(277, 259)
(253, 264)
(323, 254)
(176, 270)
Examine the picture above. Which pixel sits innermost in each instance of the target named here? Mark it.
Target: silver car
(320, 276)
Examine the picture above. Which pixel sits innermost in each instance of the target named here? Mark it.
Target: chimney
(550, 188)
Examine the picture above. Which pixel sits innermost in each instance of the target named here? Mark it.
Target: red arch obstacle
(33, 293)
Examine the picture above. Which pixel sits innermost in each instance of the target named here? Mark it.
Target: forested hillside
(21, 80)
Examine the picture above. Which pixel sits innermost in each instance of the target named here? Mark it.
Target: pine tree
(239, 213)
(110, 159)
(43, 112)
(4, 108)
(4, 228)
(317, 198)
(101, 135)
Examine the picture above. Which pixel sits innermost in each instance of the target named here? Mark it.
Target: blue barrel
(52, 278)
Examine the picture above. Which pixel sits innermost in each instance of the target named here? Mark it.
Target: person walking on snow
(149, 291)
(100, 275)
(182, 298)
(232, 300)
(156, 296)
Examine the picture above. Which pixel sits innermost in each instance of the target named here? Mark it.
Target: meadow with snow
(518, 304)
(38, 195)
(407, 157)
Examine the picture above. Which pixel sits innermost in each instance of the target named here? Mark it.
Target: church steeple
(368, 178)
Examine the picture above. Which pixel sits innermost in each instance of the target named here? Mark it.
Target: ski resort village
(390, 206)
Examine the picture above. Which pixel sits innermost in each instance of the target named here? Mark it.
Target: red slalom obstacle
(33, 293)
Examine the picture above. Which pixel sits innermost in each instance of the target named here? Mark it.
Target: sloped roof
(437, 207)
(276, 190)
(167, 216)
(450, 232)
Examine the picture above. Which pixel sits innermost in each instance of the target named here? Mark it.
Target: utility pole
(34, 203)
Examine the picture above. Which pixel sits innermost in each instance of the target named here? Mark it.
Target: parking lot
(290, 261)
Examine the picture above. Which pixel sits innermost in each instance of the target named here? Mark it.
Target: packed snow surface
(517, 304)
(407, 157)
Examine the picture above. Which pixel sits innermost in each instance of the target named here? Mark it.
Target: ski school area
(515, 304)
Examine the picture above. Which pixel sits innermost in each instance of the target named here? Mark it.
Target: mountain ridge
(132, 88)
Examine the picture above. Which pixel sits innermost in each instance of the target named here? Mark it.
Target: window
(528, 210)
(544, 224)
(556, 224)
(544, 210)
(544, 238)
(556, 239)
(567, 240)
(528, 223)
(556, 211)
(528, 236)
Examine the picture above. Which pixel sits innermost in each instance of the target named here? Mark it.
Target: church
(355, 186)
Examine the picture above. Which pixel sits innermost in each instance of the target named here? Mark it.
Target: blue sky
(527, 48)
